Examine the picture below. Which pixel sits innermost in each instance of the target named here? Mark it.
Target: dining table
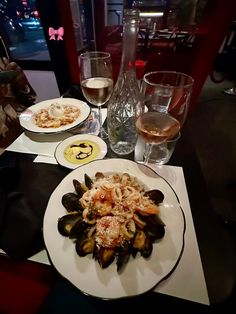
(202, 281)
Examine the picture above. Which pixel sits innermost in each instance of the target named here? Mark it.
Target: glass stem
(148, 152)
(100, 118)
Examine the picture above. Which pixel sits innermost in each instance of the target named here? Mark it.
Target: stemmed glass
(166, 96)
(96, 80)
(156, 128)
(167, 92)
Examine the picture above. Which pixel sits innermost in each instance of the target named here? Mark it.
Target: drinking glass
(96, 80)
(167, 92)
(166, 96)
(156, 128)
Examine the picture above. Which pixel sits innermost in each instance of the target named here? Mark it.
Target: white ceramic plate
(93, 147)
(139, 274)
(26, 118)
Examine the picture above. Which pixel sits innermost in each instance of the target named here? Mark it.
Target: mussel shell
(71, 202)
(88, 181)
(123, 256)
(84, 245)
(139, 240)
(79, 189)
(155, 195)
(66, 222)
(78, 229)
(146, 251)
(105, 256)
(158, 233)
(155, 227)
(143, 244)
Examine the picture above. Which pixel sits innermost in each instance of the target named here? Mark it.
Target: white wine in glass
(97, 90)
(155, 128)
(96, 80)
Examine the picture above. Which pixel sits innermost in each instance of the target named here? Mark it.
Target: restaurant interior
(195, 37)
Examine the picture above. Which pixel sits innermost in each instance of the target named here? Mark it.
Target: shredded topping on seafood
(111, 203)
(112, 217)
(56, 115)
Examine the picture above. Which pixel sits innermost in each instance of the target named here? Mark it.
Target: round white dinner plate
(139, 275)
(80, 149)
(26, 118)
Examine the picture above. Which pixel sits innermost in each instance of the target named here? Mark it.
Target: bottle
(125, 103)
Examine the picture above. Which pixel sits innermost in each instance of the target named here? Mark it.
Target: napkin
(25, 188)
(43, 145)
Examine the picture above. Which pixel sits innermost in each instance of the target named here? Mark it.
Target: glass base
(103, 134)
(159, 155)
(230, 91)
(122, 148)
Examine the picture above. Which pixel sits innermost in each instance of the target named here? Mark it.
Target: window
(22, 31)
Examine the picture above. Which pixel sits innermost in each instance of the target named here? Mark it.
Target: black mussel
(79, 188)
(146, 251)
(134, 252)
(88, 181)
(155, 195)
(143, 244)
(78, 229)
(139, 240)
(66, 222)
(84, 245)
(157, 233)
(71, 202)
(123, 256)
(104, 256)
(155, 227)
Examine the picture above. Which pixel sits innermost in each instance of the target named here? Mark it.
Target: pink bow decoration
(56, 32)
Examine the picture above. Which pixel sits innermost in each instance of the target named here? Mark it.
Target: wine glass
(166, 95)
(156, 128)
(96, 80)
(167, 92)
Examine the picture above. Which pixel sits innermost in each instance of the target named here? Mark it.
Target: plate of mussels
(114, 228)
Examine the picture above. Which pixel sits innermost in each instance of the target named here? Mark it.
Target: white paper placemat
(187, 281)
(43, 145)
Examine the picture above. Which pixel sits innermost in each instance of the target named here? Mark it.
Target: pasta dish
(112, 217)
(56, 116)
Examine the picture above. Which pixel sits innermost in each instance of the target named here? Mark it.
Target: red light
(36, 13)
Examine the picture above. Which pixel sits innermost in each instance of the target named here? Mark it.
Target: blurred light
(151, 14)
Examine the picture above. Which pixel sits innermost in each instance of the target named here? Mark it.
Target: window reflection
(83, 21)
(21, 29)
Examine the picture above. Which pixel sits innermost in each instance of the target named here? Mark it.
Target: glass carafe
(125, 103)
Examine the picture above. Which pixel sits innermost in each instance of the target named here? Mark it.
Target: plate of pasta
(54, 115)
(114, 228)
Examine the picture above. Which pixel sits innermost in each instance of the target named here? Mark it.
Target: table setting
(107, 196)
(41, 149)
